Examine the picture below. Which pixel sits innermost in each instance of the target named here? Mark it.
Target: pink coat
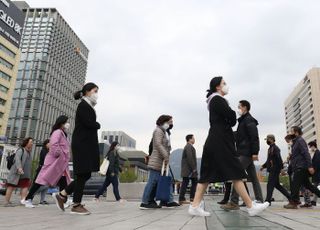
(56, 163)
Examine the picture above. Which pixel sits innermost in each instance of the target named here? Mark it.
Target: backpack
(10, 159)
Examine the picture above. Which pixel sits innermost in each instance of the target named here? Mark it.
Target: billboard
(11, 22)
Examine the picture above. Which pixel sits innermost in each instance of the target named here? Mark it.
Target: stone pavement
(127, 216)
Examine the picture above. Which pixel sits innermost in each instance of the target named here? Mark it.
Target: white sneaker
(198, 211)
(68, 203)
(23, 202)
(257, 208)
(122, 201)
(28, 204)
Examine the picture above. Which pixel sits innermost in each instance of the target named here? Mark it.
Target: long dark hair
(113, 146)
(59, 122)
(214, 83)
(86, 88)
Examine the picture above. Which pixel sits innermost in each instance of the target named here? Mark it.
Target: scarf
(90, 101)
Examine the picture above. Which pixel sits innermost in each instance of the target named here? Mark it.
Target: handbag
(164, 183)
(104, 167)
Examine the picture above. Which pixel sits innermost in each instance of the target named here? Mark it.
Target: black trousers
(273, 182)
(77, 186)
(227, 192)
(300, 178)
(34, 187)
(184, 186)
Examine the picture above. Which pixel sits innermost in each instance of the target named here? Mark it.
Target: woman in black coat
(85, 149)
(219, 161)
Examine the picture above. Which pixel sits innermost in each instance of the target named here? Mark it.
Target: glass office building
(52, 67)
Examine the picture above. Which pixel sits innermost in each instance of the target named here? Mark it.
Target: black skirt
(219, 160)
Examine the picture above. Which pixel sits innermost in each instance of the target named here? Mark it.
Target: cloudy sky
(153, 57)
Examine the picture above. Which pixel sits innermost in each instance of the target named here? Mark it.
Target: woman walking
(20, 172)
(112, 174)
(55, 170)
(219, 161)
(85, 149)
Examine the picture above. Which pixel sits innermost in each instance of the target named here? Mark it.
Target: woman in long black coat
(219, 162)
(85, 149)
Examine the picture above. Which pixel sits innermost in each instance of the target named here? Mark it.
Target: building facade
(52, 67)
(302, 107)
(11, 23)
(124, 139)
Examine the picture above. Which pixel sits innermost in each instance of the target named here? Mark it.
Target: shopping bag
(164, 183)
(104, 167)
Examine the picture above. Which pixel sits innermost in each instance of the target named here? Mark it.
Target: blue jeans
(115, 184)
(149, 193)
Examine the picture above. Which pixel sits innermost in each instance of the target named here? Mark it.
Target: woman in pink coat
(55, 170)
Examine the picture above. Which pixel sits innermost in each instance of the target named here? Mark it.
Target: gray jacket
(188, 161)
(161, 149)
(25, 164)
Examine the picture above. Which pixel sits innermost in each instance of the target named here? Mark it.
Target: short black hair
(313, 144)
(246, 104)
(26, 141)
(189, 137)
(44, 144)
(163, 119)
(297, 129)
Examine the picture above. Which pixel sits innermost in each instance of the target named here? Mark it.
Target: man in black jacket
(274, 165)
(248, 147)
(188, 170)
(301, 164)
(315, 157)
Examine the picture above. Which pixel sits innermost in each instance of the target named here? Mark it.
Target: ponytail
(86, 88)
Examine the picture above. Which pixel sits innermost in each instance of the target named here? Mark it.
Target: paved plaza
(123, 216)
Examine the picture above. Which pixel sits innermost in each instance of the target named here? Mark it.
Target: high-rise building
(302, 107)
(11, 23)
(52, 67)
(124, 139)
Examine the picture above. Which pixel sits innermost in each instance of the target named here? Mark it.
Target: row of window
(5, 76)
(6, 63)
(7, 51)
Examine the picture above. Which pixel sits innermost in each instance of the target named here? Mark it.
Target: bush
(128, 174)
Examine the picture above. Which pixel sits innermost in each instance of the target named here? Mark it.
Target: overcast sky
(156, 57)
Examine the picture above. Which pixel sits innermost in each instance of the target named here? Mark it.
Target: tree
(128, 174)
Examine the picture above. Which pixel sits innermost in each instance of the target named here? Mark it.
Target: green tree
(128, 174)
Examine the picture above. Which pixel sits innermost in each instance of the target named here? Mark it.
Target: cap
(271, 136)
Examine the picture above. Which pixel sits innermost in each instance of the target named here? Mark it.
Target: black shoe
(170, 205)
(314, 203)
(222, 202)
(149, 206)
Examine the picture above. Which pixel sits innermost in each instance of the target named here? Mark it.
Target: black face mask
(269, 143)
(170, 127)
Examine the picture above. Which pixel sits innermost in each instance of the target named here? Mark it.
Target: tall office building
(53, 66)
(302, 107)
(11, 23)
(124, 139)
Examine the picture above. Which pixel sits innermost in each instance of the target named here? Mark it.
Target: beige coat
(161, 149)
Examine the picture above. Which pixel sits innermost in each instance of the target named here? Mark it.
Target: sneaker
(28, 204)
(198, 211)
(230, 206)
(182, 202)
(306, 205)
(80, 210)
(291, 205)
(68, 204)
(59, 201)
(244, 205)
(121, 201)
(314, 203)
(171, 205)
(222, 202)
(257, 208)
(23, 202)
(44, 203)
(149, 206)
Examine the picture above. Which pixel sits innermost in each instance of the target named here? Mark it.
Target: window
(3, 89)
(5, 63)
(5, 76)
(7, 51)
(2, 101)
(1, 114)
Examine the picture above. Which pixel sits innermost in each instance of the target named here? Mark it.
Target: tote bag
(104, 167)
(164, 183)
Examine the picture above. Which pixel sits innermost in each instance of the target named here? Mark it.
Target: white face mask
(94, 97)
(66, 126)
(225, 89)
(165, 126)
